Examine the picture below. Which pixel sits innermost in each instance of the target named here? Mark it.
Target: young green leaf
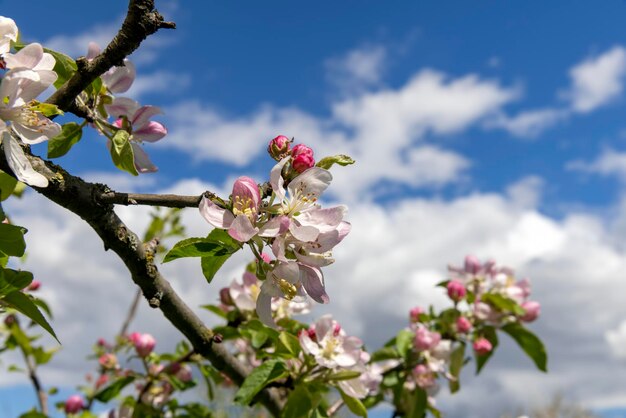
(22, 303)
(114, 389)
(197, 247)
(122, 152)
(529, 343)
(7, 185)
(260, 377)
(354, 405)
(300, 403)
(289, 343)
(456, 363)
(12, 280)
(12, 240)
(70, 134)
(340, 159)
(404, 339)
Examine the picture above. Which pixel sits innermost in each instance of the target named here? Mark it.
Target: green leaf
(340, 159)
(114, 389)
(404, 339)
(258, 333)
(215, 309)
(42, 356)
(260, 377)
(210, 265)
(529, 343)
(289, 343)
(22, 303)
(418, 402)
(70, 134)
(122, 152)
(7, 185)
(503, 303)
(354, 404)
(33, 414)
(201, 247)
(490, 334)
(384, 353)
(64, 66)
(12, 240)
(300, 403)
(47, 109)
(456, 363)
(13, 280)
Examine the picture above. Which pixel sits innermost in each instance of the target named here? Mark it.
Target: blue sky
(494, 128)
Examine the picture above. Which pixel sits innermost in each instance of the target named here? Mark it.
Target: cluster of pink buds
(301, 155)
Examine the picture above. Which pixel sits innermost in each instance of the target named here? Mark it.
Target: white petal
(310, 184)
(264, 309)
(19, 163)
(242, 229)
(276, 179)
(213, 214)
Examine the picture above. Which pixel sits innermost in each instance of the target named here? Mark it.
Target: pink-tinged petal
(242, 229)
(143, 164)
(278, 249)
(93, 50)
(303, 233)
(286, 271)
(150, 132)
(245, 189)
(353, 344)
(354, 388)
(122, 106)
(249, 279)
(323, 326)
(276, 179)
(143, 115)
(264, 309)
(308, 345)
(119, 79)
(213, 214)
(311, 183)
(315, 260)
(313, 282)
(27, 57)
(19, 164)
(275, 226)
(323, 219)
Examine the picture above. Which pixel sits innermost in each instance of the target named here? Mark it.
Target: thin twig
(42, 397)
(334, 408)
(166, 200)
(131, 314)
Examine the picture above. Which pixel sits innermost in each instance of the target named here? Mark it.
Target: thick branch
(79, 197)
(167, 200)
(142, 20)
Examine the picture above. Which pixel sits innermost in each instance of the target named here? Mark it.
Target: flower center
(244, 205)
(289, 289)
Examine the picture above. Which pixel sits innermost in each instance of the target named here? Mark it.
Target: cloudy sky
(488, 128)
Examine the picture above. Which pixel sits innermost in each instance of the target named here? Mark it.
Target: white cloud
(616, 338)
(357, 69)
(159, 82)
(608, 163)
(383, 130)
(597, 80)
(529, 123)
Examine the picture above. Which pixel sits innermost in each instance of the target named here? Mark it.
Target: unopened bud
(74, 404)
(463, 325)
(482, 346)
(301, 149)
(10, 320)
(414, 314)
(218, 338)
(456, 290)
(302, 162)
(336, 330)
(532, 308)
(34, 285)
(472, 264)
(108, 361)
(144, 343)
(279, 147)
(425, 339)
(225, 297)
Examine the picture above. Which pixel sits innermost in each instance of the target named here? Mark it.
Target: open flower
(330, 346)
(240, 223)
(8, 34)
(136, 120)
(32, 57)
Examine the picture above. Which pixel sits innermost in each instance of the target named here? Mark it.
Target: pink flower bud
(278, 147)
(414, 314)
(426, 340)
(144, 343)
(102, 343)
(184, 374)
(456, 290)
(108, 361)
(463, 325)
(533, 309)
(102, 380)
(74, 404)
(336, 330)
(225, 297)
(472, 264)
(311, 332)
(424, 377)
(302, 162)
(266, 257)
(34, 285)
(301, 149)
(482, 346)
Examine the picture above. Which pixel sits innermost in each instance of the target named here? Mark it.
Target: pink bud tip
(482, 346)
(102, 380)
(311, 332)
(533, 309)
(301, 149)
(74, 404)
(302, 162)
(472, 264)
(34, 285)
(278, 147)
(336, 330)
(144, 343)
(266, 257)
(463, 325)
(414, 314)
(456, 290)
(108, 361)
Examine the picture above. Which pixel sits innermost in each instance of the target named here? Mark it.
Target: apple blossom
(241, 221)
(144, 343)
(456, 290)
(533, 309)
(33, 57)
(425, 339)
(8, 34)
(414, 314)
(424, 377)
(108, 361)
(74, 404)
(279, 147)
(34, 285)
(301, 149)
(463, 325)
(482, 346)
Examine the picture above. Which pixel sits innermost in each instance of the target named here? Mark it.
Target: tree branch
(167, 200)
(80, 197)
(142, 20)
